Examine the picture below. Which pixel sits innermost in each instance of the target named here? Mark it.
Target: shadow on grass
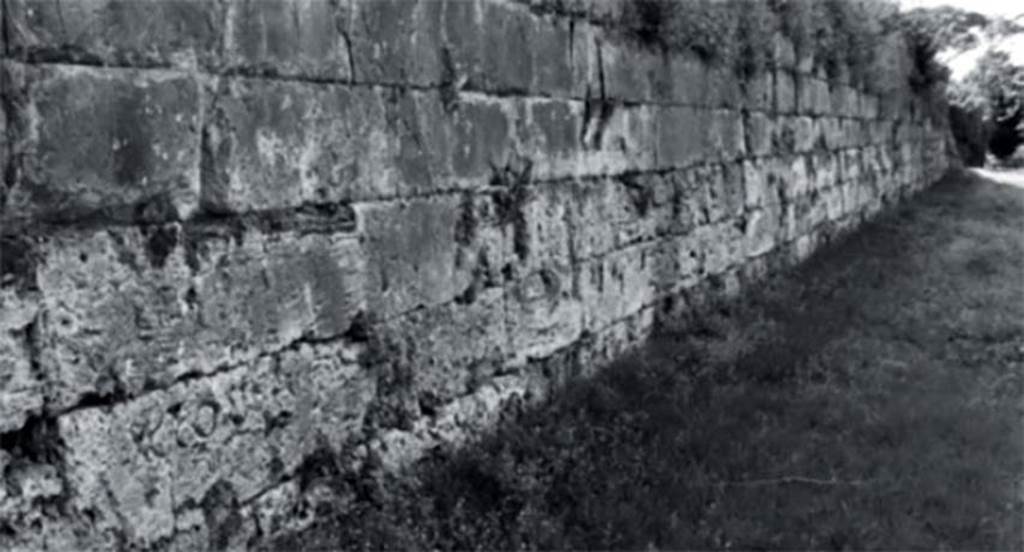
(870, 399)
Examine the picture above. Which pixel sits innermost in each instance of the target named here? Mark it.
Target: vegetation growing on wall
(838, 35)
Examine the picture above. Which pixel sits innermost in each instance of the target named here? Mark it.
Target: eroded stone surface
(109, 143)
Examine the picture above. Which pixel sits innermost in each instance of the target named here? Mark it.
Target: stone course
(246, 241)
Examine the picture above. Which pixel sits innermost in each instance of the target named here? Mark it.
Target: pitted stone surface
(251, 249)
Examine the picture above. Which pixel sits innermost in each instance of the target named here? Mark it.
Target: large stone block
(85, 140)
(437, 354)
(124, 311)
(210, 444)
(681, 132)
(482, 136)
(506, 62)
(721, 246)
(426, 252)
(758, 127)
(617, 285)
(274, 144)
(785, 92)
(551, 139)
(762, 230)
(551, 49)
(612, 213)
(116, 32)
(545, 313)
(292, 38)
(396, 41)
(725, 136)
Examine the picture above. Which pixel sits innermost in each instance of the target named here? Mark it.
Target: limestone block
(723, 87)
(726, 138)
(619, 139)
(116, 32)
(448, 350)
(276, 144)
(545, 313)
(627, 72)
(680, 262)
(482, 134)
(756, 183)
(617, 285)
(551, 139)
(129, 310)
(292, 38)
(804, 135)
(722, 244)
(825, 170)
(680, 132)
(428, 251)
(797, 180)
(759, 134)
(213, 442)
(758, 91)
(551, 50)
(507, 30)
(724, 190)
(689, 80)
(85, 140)
(833, 200)
(393, 41)
(830, 131)
(763, 230)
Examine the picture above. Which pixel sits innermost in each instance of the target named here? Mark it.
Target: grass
(869, 400)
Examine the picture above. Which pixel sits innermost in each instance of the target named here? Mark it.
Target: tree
(995, 88)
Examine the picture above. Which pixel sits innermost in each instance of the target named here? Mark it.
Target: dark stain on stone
(468, 222)
(18, 262)
(160, 243)
(220, 509)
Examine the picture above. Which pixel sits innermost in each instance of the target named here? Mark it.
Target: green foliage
(995, 89)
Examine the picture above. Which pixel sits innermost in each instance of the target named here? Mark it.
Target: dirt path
(873, 399)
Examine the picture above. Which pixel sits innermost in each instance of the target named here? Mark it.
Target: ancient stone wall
(246, 240)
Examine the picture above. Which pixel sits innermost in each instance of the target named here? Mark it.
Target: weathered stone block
(426, 252)
(680, 136)
(85, 140)
(785, 92)
(396, 41)
(762, 230)
(723, 87)
(804, 136)
(545, 313)
(550, 46)
(210, 443)
(722, 246)
(506, 65)
(610, 213)
(294, 38)
(725, 135)
(723, 186)
(274, 144)
(127, 310)
(688, 79)
(116, 32)
(482, 131)
(448, 350)
(759, 134)
(554, 131)
(758, 91)
(22, 393)
(617, 285)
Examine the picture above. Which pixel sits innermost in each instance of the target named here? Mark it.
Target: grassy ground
(872, 399)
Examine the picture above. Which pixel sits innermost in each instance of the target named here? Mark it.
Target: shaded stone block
(545, 313)
(617, 285)
(439, 353)
(85, 140)
(681, 135)
(426, 252)
(274, 144)
(785, 92)
(396, 41)
(126, 311)
(116, 32)
(481, 137)
(295, 38)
